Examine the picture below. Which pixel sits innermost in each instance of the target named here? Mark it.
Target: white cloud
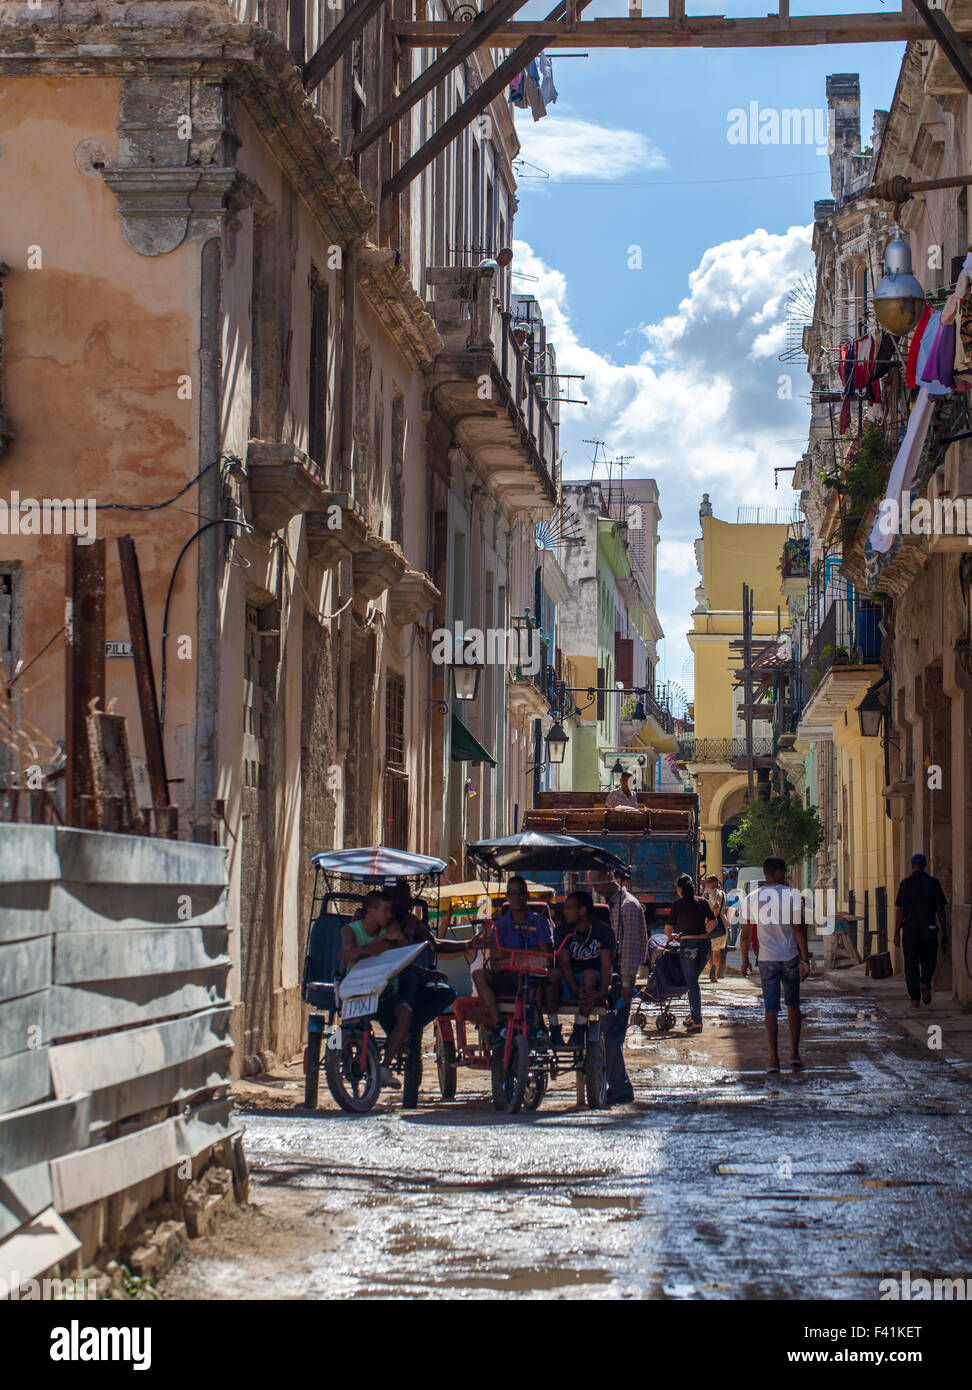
(700, 409)
(566, 147)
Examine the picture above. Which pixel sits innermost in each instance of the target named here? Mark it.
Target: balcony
(724, 752)
(486, 389)
(843, 660)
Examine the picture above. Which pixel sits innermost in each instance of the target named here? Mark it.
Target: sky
(662, 254)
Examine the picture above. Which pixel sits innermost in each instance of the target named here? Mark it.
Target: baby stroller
(665, 983)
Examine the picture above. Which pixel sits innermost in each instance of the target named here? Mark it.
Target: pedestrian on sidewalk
(784, 960)
(631, 934)
(719, 940)
(690, 922)
(919, 913)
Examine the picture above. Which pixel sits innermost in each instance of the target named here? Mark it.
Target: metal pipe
(899, 189)
(345, 569)
(210, 546)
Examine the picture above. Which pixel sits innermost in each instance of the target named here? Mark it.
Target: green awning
(466, 747)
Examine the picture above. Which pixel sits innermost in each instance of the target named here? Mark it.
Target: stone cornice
(270, 91)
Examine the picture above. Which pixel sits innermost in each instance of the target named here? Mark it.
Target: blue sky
(681, 356)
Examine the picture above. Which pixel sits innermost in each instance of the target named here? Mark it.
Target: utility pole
(748, 676)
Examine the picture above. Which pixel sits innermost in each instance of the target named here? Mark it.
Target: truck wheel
(312, 1069)
(446, 1066)
(595, 1075)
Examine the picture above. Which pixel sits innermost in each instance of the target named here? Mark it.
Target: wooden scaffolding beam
(680, 31)
(473, 36)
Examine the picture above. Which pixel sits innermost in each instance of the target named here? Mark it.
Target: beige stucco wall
(96, 340)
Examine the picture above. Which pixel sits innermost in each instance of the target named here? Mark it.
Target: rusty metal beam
(144, 678)
(473, 37)
(703, 31)
(474, 105)
(84, 666)
(341, 37)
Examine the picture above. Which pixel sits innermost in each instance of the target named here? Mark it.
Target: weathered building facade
(890, 622)
(265, 369)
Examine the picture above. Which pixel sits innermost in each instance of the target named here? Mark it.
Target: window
(317, 390)
(253, 744)
(395, 781)
(395, 721)
(398, 468)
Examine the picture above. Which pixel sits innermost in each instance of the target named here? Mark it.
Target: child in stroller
(665, 983)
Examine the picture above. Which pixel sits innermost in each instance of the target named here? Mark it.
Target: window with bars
(317, 402)
(395, 722)
(253, 743)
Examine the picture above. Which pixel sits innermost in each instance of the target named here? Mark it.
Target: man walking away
(784, 959)
(628, 925)
(920, 911)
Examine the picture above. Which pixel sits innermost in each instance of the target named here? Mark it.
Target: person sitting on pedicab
(585, 957)
(373, 933)
(518, 929)
(426, 990)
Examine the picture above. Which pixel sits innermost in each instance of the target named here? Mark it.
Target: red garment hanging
(911, 366)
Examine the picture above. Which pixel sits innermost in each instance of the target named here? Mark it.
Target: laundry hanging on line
(533, 89)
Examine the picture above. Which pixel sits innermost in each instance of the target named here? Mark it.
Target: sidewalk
(889, 995)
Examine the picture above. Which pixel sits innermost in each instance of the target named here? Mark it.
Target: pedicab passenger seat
(321, 965)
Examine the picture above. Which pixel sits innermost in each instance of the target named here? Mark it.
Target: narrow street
(719, 1182)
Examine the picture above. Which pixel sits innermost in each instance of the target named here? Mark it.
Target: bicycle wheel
(412, 1074)
(595, 1075)
(536, 1089)
(312, 1069)
(509, 1084)
(353, 1084)
(446, 1066)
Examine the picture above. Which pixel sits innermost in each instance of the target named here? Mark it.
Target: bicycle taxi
(522, 1065)
(342, 1024)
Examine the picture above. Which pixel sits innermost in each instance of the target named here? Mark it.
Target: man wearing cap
(920, 912)
(625, 797)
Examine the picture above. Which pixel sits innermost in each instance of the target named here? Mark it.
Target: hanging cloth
(863, 361)
(903, 471)
(912, 364)
(547, 89)
(925, 372)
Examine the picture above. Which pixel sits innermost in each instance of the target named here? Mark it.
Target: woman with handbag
(716, 898)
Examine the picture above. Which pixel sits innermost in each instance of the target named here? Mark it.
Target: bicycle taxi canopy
(376, 864)
(532, 850)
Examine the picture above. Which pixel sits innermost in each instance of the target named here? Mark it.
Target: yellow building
(729, 555)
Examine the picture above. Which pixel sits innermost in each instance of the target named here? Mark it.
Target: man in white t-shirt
(784, 960)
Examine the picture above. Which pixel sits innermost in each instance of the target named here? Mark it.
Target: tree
(777, 827)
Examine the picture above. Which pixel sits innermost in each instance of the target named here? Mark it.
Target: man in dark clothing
(920, 911)
(585, 956)
(631, 932)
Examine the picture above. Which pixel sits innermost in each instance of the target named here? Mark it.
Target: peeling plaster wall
(96, 341)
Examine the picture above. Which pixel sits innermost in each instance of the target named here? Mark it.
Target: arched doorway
(732, 811)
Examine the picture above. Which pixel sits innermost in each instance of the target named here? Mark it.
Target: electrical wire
(158, 506)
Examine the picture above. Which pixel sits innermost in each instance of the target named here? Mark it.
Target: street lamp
(873, 708)
(465, 681)
(899, 299)
(638, 718)
(556, 742)
(617, 769)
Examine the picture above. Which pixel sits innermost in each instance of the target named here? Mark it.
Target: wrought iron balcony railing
(721, 750)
